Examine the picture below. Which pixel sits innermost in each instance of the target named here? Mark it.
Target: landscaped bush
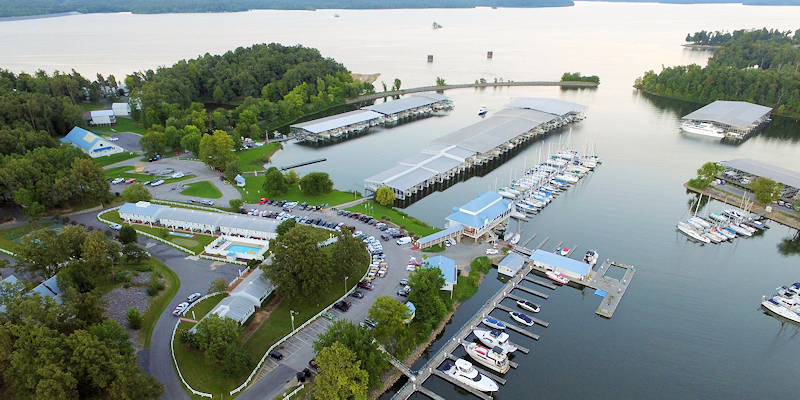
(135, 319)
(156, 284)
(121, 277)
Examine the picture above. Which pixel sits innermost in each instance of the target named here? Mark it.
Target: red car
(366, 285)
(263, 200)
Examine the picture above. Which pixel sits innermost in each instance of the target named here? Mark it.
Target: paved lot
(128, 141)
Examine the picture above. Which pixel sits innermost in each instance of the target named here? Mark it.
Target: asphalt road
(128, 141)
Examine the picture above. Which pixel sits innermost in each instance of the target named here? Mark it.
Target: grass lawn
(7, 236)
(87, 106)
(123, 125)
(467, 286)
(158, 304)
(123, 172)
(437, 248)
(114, 158)
(202, 240)
(202, 377)
(202, 189)
(255, 158)
(384, 213)
(201, 309)
(252, 193)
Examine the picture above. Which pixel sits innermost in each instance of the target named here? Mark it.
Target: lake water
(690, 325)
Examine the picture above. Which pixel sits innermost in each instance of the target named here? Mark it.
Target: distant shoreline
(39, 16)
(700, 46)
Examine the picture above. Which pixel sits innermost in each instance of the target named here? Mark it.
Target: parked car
(178, 175)
(207, 202)
(130, 180)
(490, 252)
(313, 364)
(371, 322)
(276, 355)
(403, 282)
(404, 291)
(117, 181)
(342, 305)
(113, 139)
(366, 285)
(157, 182)
(193, 297)
(263, 200)
(115, 226)
(180, 309)
(358, 294)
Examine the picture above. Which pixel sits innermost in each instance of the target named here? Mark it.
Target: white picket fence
(205, 257)
(299, 388)
(8, 252)
(172, 348)
(167, 242)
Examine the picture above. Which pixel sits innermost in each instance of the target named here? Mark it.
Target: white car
(178, 174)
(490, 252)
(193, 297)
(113, 139)
(411, 267)
(115, 227)
(157, 182)
(180, 309)
(117, 181)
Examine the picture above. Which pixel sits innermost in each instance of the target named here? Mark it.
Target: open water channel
(689, 326)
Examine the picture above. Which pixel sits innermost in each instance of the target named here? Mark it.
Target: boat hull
(781, 311)
(475, 352)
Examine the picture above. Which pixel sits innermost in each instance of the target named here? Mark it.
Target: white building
(91, 144)
(141, 213)
(510, 264)
(191, 220)
(245, 298)
(479, 216)
(248, 227)
(121, 109)
(103, 117)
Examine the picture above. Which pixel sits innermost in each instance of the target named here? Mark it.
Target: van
(403, 240)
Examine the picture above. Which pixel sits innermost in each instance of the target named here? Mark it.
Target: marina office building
(476, 148)
(726, 119)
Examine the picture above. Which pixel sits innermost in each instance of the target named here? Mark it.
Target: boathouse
(335, 125)
(510, 264)
(91, 144)
(415, 104)
(745, 170)
(572, 269)
(481, 215)
(737, 119)
(448, 268)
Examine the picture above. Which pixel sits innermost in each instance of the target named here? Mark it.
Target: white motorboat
(528, 305)
(591, 257)
(483, 110)
(558, 278)
(495, 338)
(565, 251)
(515, 239)
(703, 129)
(494, 359)
(521, 318)
(463, 371)
(692, 232)
(491, 322)
(785, 303)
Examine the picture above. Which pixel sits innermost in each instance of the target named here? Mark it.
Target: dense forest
(717, 38)
(758, 66)
(270, 83)
(577, 77)
(11, 8)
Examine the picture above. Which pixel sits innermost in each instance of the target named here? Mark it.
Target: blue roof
(512, 261)
(446, 265)
(141, 208)
(49, 288)
(558, 261)
(238, 178)
(81, 137)
(438, 235)
(411, 308)
(476, 213)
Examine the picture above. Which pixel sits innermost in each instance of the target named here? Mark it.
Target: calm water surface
(690, 324)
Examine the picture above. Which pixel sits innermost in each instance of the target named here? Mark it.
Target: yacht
(591, 257)
(483, 110)
(491, 322)
(703, 129)
(521, 318)
(558, 278)
(530, 306)
(785, 303)
(463, 371)
(494, 359)
(692, 232)
(495, 338)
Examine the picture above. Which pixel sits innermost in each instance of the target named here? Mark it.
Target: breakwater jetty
(566, 84)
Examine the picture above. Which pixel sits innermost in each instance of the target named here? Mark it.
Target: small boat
(494, 359)
(591, 257)
(785, 303)
(495, 338)
(483, 110)
(463, 371)
(739, 230)
(521, 318)
(530, 306)
(558, 278)
(565, 251)
(491, 322)
(515, 239)
(692, 232)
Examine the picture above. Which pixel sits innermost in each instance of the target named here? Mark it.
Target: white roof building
(103, 117)
(121, 109)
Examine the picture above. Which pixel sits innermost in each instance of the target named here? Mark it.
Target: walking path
(471, 85)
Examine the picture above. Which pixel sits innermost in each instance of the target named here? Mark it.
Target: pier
(531, 291)
(569, 84)
(540, 282)
(300, 164)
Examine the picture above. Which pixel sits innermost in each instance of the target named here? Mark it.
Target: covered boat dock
(336, 125)
(738, 119)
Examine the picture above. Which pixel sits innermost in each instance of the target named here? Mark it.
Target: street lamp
(345, 283)
(293, 313)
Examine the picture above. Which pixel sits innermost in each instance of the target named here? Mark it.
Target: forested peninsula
(16, 8)
(758, 66)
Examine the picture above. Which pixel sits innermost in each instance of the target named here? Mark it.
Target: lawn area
(437, 248)
(123, 172)
(384, 213)
(255, 158)
(87, 106)
(467, 286)
(8, 235)
(157, 305)
(201, 309)
(202, 189)
(201, 240)
(114, 158)
(202, 377)
(252, 193)
(123, 125)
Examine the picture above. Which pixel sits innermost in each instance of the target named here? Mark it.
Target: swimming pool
(238, 248)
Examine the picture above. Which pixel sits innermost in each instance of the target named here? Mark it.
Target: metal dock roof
(739, 114)
(406, 103)
(488, 133)
(337, 121)
(411, 171)
(758, 168)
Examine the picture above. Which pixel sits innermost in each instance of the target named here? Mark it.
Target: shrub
(188, 338)
(121, 277)
(143, 268)
(218, 285)
(156, 284)
(237, 361)
(135, 319)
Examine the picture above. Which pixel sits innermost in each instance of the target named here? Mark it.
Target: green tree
(72, 236)
(191, 139)
(232, 169)
(707, 173)
(440, 81)
(360, 342)
(153, 143)
(76, 275)
(274, 182)
(238, 361)
(384, 196)
(235, 204)
(218, 285)
(214, 334)
(127, 234)
(42, 253)
(134, 253)
(291, 177)
(396, 85)
(114, 336)
(349, 257)
(316, 183)
(90, 180)
(134, 318)
(285, 226)
(390, 315)
(100, 254)
(426, 283)
(136, 192)
(766, 190)
(299, 268)
(341, 375)
(216, 150)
